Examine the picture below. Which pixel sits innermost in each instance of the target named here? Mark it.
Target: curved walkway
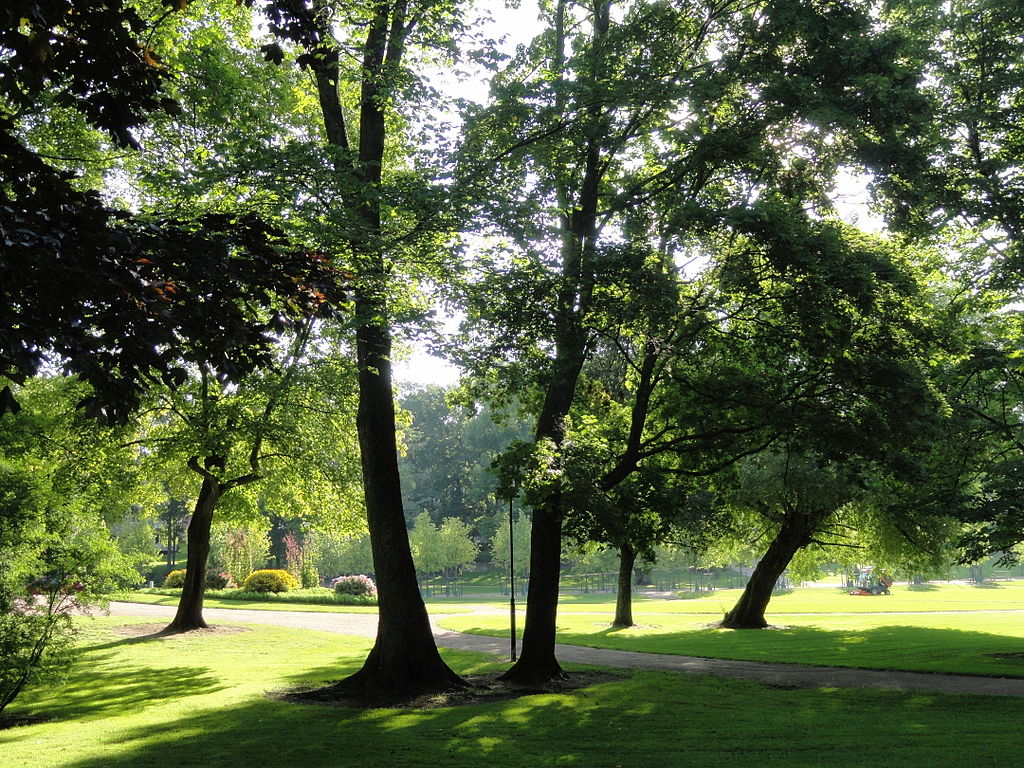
(780, 675)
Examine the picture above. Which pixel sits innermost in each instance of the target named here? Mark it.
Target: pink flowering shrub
(360, 586)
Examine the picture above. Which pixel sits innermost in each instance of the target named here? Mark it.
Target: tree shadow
(922, 587)
(646, 717)
(953, 651)
(122, 688)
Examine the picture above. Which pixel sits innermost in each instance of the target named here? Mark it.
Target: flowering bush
(360, 585)
(175, 579)
(270, 580)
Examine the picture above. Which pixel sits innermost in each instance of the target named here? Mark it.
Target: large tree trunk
(537, 663)
(404, 660)
(624, 595)
(579, 231)
(748, 613)
(190, 607)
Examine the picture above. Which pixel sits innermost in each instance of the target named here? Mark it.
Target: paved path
(782, 675)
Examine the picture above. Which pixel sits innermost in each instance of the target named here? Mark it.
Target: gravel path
(781, 675)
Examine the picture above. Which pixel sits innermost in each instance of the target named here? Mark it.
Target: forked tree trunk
(404, 660)
(748, 613)
(624, 594)
(190, 606)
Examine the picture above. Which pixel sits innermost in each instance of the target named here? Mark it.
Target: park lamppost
(512, 578)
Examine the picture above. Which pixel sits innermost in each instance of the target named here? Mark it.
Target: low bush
(360, 586)
(269, 580)
(175, 579)
(218, 580)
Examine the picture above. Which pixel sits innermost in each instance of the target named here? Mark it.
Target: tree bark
(748, 613)
(404, 660)
(537, 663)
(624, 595)
(190, 607)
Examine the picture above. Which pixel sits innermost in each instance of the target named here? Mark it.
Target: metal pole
(512, 578)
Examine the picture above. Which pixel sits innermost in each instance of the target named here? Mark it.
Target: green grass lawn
(199, 700)
(272, 603)
(949, 628)
(1008, 595)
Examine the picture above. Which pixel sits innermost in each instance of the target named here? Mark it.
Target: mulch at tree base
(483, 689)
(160, 630)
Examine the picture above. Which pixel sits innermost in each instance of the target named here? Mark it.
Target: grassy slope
(198, 701)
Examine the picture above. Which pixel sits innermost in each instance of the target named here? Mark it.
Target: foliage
(342, 554)
(448, 448)
(58, 480)
(445, 548)
(175, 579)
(359, 585)
(520, 542)
(269, 580)
(131, 292)
(293, 556)
(217, 580)
(239, 549)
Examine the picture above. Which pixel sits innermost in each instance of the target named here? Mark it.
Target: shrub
(361, 586)
(269, 580)
(175, 579)
(218, 580)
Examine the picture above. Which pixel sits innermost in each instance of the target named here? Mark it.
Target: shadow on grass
(911, 648)
(121, 688)
(922, 587)
(663, 718)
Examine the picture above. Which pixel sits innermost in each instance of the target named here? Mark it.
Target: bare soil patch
(159, 630)
(482, 689)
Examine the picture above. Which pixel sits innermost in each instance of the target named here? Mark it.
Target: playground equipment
(866, 582)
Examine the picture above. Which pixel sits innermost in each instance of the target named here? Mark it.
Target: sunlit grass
(983, 643)
(198, 700)
(281, 603)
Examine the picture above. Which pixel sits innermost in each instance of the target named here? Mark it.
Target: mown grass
(285, 601)
(199, 700)
(952, 628)
(1008, 595)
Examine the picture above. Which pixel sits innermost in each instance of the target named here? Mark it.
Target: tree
(689, 110)
(57, 558)
(961, 172)
(506, 548)
(448, 448)
(445, 548)
(404, 659)
(798, 495)
(290, 424)
(130, 288)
